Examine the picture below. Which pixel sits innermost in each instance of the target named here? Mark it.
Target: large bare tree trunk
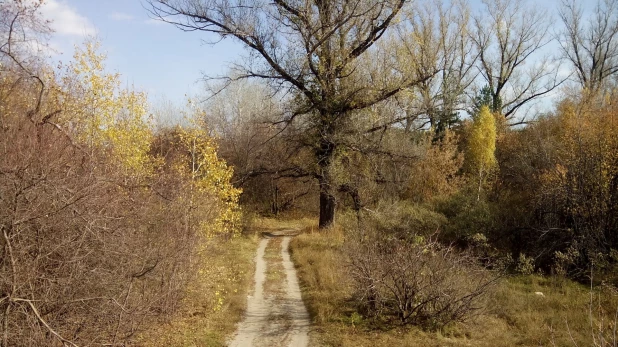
(321, 51)
(327, 202)
(324, 156)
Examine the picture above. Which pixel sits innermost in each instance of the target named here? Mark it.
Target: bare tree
(270, 162)
(241, 116)
(591, 46)
(21, 33)
(441, 35)
(318, 49)
(509, 34)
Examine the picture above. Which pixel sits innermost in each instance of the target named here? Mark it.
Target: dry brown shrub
(89, 253)
(419, 282)
(87, 256)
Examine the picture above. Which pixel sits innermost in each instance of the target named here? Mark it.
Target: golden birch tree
(482, 146)
(209, 174)
(103, 115)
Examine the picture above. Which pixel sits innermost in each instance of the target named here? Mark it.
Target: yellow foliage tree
(103, 115)
(109, 119)
(210, 174)
(482, 146)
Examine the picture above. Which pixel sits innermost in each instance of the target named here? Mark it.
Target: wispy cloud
(66, 20)
(153, 21)
(120, 16)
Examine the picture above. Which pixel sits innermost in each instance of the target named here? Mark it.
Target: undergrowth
(215, 301)
(517, 314)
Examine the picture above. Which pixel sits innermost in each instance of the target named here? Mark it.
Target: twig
(126, 298)
(5, 326)
(38, 316)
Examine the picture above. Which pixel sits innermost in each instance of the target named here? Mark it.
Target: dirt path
(275, 317)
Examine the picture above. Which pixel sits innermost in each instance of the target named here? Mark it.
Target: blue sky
(154, 57)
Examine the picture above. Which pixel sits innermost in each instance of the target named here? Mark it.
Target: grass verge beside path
(517, 316)
(216, 300)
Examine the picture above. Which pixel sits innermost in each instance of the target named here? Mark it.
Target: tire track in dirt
(281, 318)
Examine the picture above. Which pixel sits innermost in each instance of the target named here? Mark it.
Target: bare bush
(416, 282)
(90, 253)
(87, 256)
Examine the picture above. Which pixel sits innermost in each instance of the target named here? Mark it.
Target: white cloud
(120, 16)
(66, 20)
(153, 21)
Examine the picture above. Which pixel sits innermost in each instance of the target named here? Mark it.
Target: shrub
(404, 220)
(467, 216)
(524, 265)
(416, 282)
(101, 229)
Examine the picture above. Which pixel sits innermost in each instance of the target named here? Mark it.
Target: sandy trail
(277, 320)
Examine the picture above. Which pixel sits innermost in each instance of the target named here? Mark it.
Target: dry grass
(216, 300)
(228, 270)
(325, 283)
(516, 315)
(272, 224)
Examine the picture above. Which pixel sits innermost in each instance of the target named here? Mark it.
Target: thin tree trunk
(478, 195)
